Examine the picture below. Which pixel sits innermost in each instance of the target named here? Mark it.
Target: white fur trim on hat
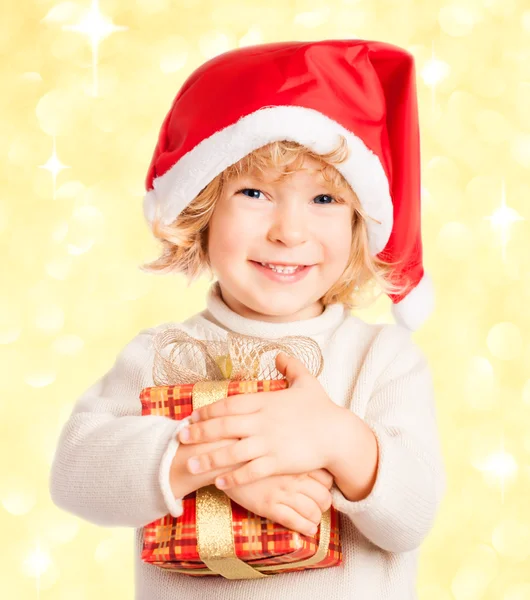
(178, 186)
(416, 306)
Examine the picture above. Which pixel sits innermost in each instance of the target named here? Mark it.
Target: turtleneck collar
(328, 320)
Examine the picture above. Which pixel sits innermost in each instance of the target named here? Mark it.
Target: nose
(289, 224)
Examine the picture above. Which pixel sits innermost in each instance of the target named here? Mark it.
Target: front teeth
(278, 269)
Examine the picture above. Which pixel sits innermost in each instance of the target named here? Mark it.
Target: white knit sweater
(109, 467)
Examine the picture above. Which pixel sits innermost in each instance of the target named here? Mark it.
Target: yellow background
(82, 101)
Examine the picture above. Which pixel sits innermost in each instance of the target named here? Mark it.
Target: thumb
(290, 367)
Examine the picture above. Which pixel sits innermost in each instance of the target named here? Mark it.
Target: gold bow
(210, 366)
(238, 357)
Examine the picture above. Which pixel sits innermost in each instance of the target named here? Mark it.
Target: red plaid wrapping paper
(171, 543)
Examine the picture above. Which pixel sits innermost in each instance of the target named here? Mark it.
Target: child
(302, 154)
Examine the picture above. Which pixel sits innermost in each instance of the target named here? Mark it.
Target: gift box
(215, 535)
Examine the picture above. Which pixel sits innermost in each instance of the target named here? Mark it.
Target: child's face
(297, 220)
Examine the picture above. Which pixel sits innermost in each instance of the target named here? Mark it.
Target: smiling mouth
(282, 276)
(281, 264)
(279, 268)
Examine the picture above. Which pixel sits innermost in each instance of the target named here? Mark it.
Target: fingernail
(185, 434)
(194, 465)
(220, 483)
(194, 416)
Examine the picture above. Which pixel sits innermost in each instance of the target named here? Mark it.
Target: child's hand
(181, 480)
(284, 432)
(294, 501)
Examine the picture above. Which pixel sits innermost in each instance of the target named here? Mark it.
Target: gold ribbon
(215, 539)
(238, 357)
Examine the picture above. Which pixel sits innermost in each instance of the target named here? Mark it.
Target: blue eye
(326, 196)
(249, 190)
(260, 192)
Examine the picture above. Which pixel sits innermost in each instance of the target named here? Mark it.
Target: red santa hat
(309, 92)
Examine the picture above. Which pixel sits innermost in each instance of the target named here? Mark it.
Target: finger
(228, 456)
(323, 476)
(257, 469)
(316, 491)
(239, 404)
(306, 506)
(291, 519)
(234, 426)
(294, 370)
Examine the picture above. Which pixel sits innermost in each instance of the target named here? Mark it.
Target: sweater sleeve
(410, 481)
(111, 463)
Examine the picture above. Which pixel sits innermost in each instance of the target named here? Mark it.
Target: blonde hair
(184, 241)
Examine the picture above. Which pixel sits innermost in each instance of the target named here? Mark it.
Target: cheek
(338, 244)
(228, 237)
